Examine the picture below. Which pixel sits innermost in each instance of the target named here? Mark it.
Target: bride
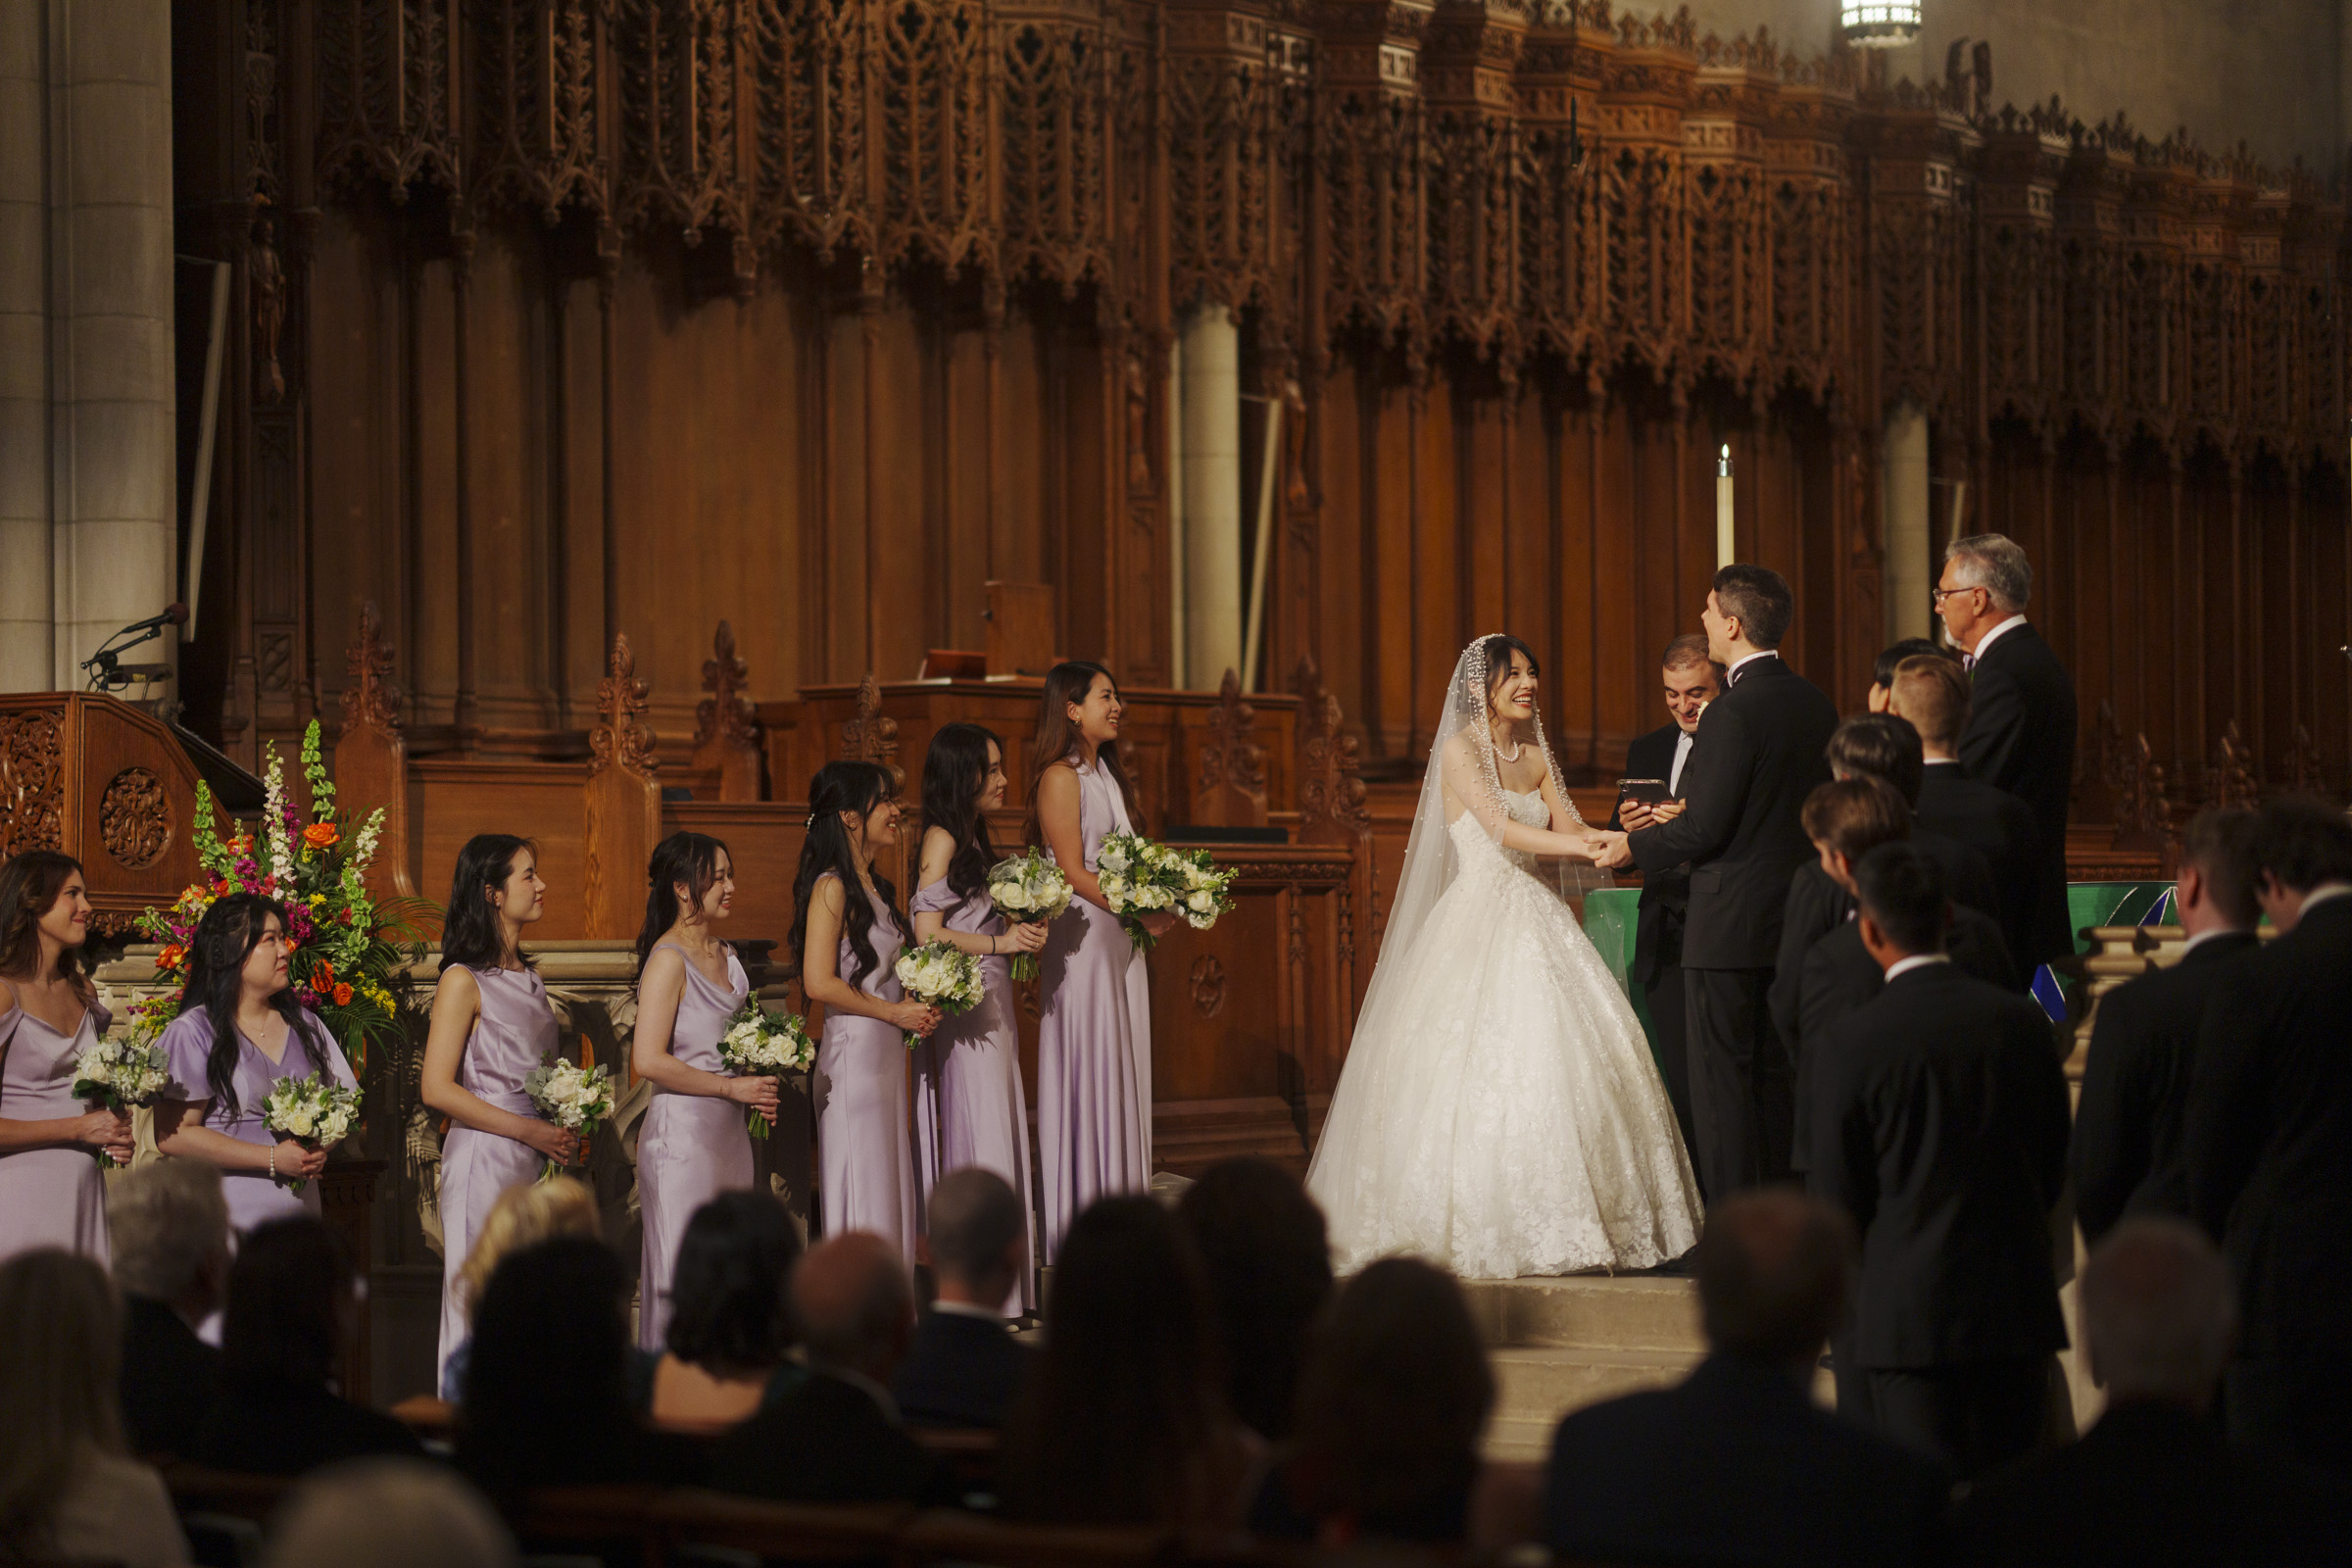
(1500, 1112)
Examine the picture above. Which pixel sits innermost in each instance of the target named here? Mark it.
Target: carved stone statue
(266, 287)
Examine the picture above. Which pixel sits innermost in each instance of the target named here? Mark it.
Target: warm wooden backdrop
(634, 315)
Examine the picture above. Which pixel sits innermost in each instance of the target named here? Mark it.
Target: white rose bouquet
(121, 1076)
(1028, 890)
(939, 974)
(759, 1044)
(1202, 892)
(313, 1113)
(1138, 877)
(573, 1097)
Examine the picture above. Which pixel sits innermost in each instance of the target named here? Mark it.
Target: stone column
(1909, 579)
(1212, 497)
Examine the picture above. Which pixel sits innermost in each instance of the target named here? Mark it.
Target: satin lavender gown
(48, 1197)
(512, 1034)
(866, 1162)
(253, 1197)
(970, 1109)
(690, 1147)
(1094, 1041)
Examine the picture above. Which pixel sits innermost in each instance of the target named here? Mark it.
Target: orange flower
(170, 958)
(343, 995)
(220, 886)
(318, 835)
(323, 978)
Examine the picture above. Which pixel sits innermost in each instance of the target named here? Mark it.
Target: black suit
(830, 1440)
(1736, 1465)
(269, 1429)
(1757, 754)
(2020, 738)
(2131, 1126)
(1997, 825)
(1665, 906)
(2270, 1171)
(1943, 1127)
(2153, 1486)
(962, 1371)
(170, 1378)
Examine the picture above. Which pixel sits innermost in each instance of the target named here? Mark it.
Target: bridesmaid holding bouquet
(969, 1107)
(847, 933)
(1093, 1036)
(491, 1027)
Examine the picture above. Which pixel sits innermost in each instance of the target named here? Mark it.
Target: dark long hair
(1262, 1241)
(688, 858)
(839, 787)
(470, 934)
(1497, 650)
(281, 1324)
(225, 939)
(30, 884)
(1057, 736)
(954, 770)
(727, 1310)
(546, 1380)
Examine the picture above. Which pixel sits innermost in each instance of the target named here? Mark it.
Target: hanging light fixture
(1880, 24)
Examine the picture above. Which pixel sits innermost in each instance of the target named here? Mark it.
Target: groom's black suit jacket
(2020, 738)
(1665, 895)
(1758, 753)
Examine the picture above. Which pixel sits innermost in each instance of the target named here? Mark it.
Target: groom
(1758, 753)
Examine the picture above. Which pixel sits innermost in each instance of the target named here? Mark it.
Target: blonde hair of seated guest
(524, 1216)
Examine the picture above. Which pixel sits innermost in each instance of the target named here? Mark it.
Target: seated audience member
(1941, 1127)
(837, 1437)
(545, 1393)
(387, 1513)
(67, 1489)
(2131, 1127)
(1737, 1464)
(1880, 696)
(1123, 1421)
(965, 1368)
(291, 1299)
(2154, 1484)
(170, 1228)
(730, 1326)
(522, 1216)
(1393, 1401)
(1932, 696)
(1261, 1239)
(2269, 1123)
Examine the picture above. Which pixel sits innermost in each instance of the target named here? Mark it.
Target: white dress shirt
(1731, 676)
(1985, 641)
(2321, 894)
(1681, 754)
(1916, 961)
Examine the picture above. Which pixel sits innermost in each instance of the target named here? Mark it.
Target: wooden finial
(725, 717)
(369, 699)
(619, 740)
(872, 735)
(2229, 779)
(1330, 794)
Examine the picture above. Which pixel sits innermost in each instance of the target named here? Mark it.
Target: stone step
(1534, 1386)
(1627, 1312)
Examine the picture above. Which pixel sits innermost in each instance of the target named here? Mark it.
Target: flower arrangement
(573, 1097)
(940, 975)
(1141, 877)
(761, 1043)
(347, 945)
(313, 1113)
(121, 1076)
(1028, 890)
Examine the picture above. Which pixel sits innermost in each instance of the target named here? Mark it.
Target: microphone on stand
(105, 666)
(174, 615)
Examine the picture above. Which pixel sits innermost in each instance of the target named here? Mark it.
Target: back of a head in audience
(387, 1513)
(547, 1378)
(1774, 1271)
(1120, 1419)
(1849, 817)
(727, 1312)
(1931, 694)
(290, 1296)
(524, 1216)
(978, 1242)
(167, 1231)
(1263, 1243)
(854, 1305)
(1394, 1399)
(2298, 845)
(2159, 1313)
(1906, 902)
(1879, 746)
(61, 1351)
(2217, 875)
(1890, 660)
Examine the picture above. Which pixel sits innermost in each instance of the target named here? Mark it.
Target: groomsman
(1692, 680)
(1756, 756)
(2020, 735)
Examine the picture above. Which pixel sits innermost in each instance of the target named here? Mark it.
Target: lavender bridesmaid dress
(48, 1197)
(514, 1031)
(690, 1147)
(865, 1163)
(253, 1197)
(969, 1105)
(1094, 1041)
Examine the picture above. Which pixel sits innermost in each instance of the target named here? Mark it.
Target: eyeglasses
(1936, 596)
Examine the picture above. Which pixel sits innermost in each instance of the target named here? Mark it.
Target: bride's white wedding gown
(1502, 1116)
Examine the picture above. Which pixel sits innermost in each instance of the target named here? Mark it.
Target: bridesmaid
(970, 1109)
(238, 1032)
(1093, 1032)
(694, 1143)
(848, 934)
(51, 1193)
(491, 1027)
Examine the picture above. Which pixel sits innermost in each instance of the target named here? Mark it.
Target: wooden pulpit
(104, 782)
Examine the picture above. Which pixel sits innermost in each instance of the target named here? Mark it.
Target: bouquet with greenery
(574, 1098)
(1028, 890)
(940, 975)
(121, 1076)
(1141, 877)
(759, 1044)
(312, 1112)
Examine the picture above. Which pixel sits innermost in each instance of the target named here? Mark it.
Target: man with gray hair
(170, 1232)
(2154, 1481)
(2021, 720)
(964, 1369)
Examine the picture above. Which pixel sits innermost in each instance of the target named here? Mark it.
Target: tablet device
(1647, 791)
